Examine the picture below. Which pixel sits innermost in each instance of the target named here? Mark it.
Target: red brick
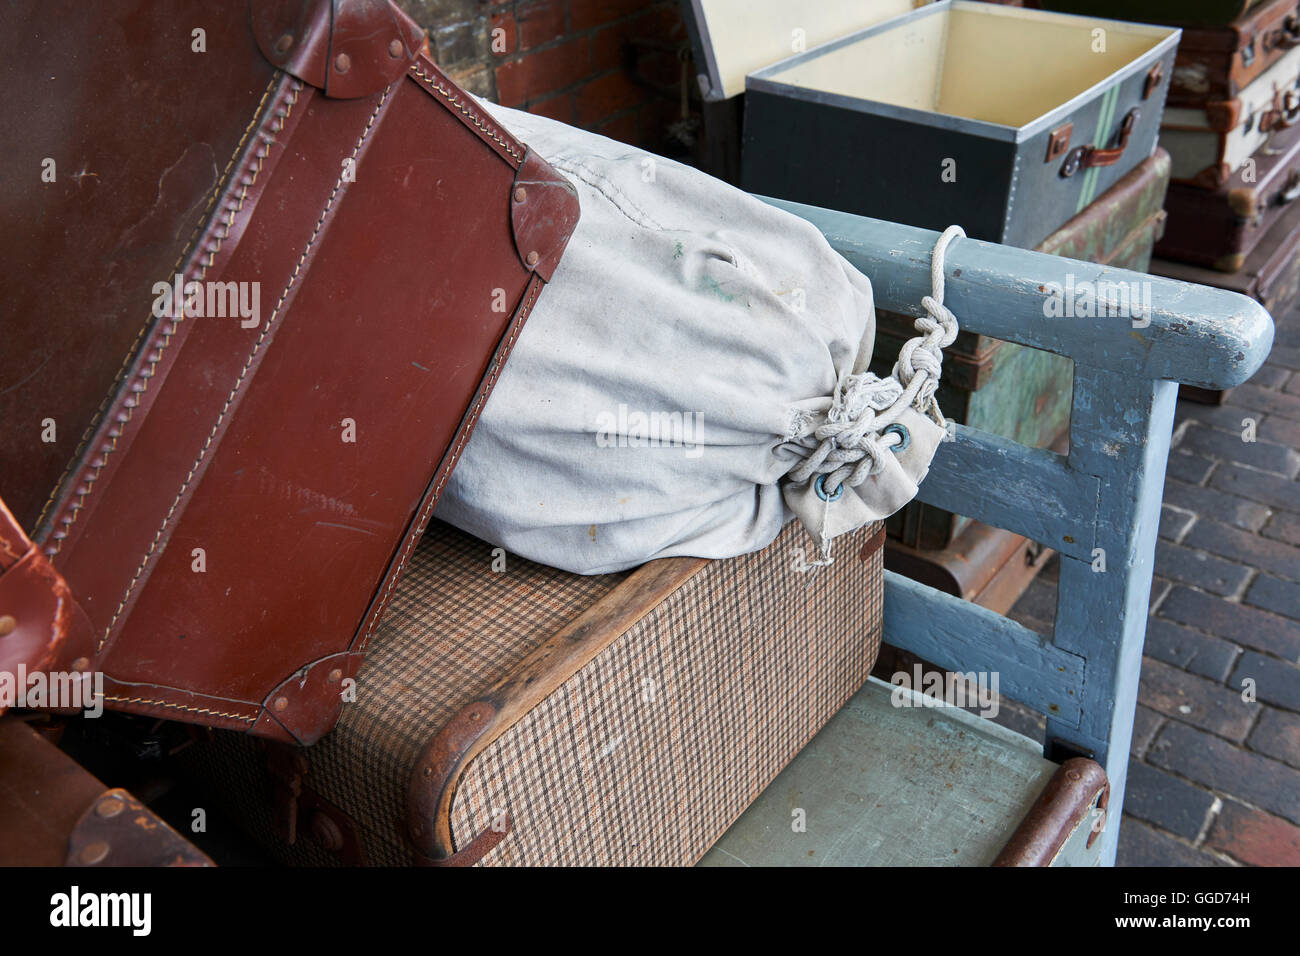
(603, 97)
(1284, 526)
(510, 41)
(1218, 765)
(1195, 700)
(1277, 735)
(585, 14)
(622, 128)
(608, 43)
(1232, 621)
(1265, 400)
(556, 107)
(541, 21)
(544, 71)
(1255, 837)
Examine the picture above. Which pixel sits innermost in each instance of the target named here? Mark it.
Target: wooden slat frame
(1099, 502)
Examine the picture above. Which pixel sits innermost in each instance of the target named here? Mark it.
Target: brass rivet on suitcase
(109, 807)
(336, 675)
(93, 852)
(282, 45)
(520, 194)
(395, 48)
(532, 258)
(342, 62)
(7, 624)
(281, 703)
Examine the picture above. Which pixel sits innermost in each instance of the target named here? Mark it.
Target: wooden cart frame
(1098, 506)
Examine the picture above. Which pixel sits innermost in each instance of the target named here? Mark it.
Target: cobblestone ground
(1215, 775)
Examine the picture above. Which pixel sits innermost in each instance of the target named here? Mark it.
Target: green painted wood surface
(892, 786)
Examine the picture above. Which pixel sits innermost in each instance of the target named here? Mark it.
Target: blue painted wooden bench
(1098, 506)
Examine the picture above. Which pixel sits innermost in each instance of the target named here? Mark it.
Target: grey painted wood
(1120, 430)
(959, 636)
(891, 786)
(1030, 491)
(1201, 336)
(1108, 488)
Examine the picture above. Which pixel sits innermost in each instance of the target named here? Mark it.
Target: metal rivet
(395, 48)
(532, 258)
(325, 831)
(282, 45)
(904, 436)
(520, 194)
(7, 624)
(81, 663)
(109, 807)
(819, 486)
(281, 703)
(93, 853)
(336, 675)
(342, 62)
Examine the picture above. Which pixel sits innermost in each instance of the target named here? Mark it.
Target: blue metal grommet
(819, 486)
(902, 432)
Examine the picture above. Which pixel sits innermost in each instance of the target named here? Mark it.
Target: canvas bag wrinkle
(696, 347)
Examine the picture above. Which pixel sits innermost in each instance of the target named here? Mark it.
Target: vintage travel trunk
(1005, 120)
(1270, 275)
(1018, 392)
(1216, 63)
(1208, 144)
(265, 266)
(1211, 13)
(1219, 228)
(511, 713)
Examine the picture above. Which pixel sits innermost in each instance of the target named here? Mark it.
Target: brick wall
(606, 65)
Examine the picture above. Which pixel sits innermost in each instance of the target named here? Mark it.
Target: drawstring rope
(853, 445)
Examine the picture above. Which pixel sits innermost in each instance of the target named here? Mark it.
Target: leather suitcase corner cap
(347, 48)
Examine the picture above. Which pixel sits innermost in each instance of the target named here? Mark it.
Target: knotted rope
(853, 441)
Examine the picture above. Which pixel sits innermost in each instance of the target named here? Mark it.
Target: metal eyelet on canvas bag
(863, 438)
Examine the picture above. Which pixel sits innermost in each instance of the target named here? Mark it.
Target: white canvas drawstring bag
(695, 372)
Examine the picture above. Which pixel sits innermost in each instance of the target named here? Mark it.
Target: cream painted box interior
(961, 99)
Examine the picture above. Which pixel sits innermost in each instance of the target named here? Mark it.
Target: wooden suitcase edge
(450, 751)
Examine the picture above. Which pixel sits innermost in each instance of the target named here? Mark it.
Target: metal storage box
(1004, 120)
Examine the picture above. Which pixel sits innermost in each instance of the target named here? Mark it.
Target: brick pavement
(1215, 776)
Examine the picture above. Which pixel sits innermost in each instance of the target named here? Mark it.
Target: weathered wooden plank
(1030, 491)
(958, 636)
(890, 781)
(1120, 430)
(1197, 335)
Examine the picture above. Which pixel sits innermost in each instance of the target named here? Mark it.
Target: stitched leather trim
(65, 516)
(243, 373)
(433, 80)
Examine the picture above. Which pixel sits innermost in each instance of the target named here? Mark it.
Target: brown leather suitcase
(512, 713)
(215, 487)
(1270, 275)
(54, 813)
(1215, 63)
(1220, 228)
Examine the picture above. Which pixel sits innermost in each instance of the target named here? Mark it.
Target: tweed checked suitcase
(532, 716)
(264, 264)
(1220, 228)
(1023, 393)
